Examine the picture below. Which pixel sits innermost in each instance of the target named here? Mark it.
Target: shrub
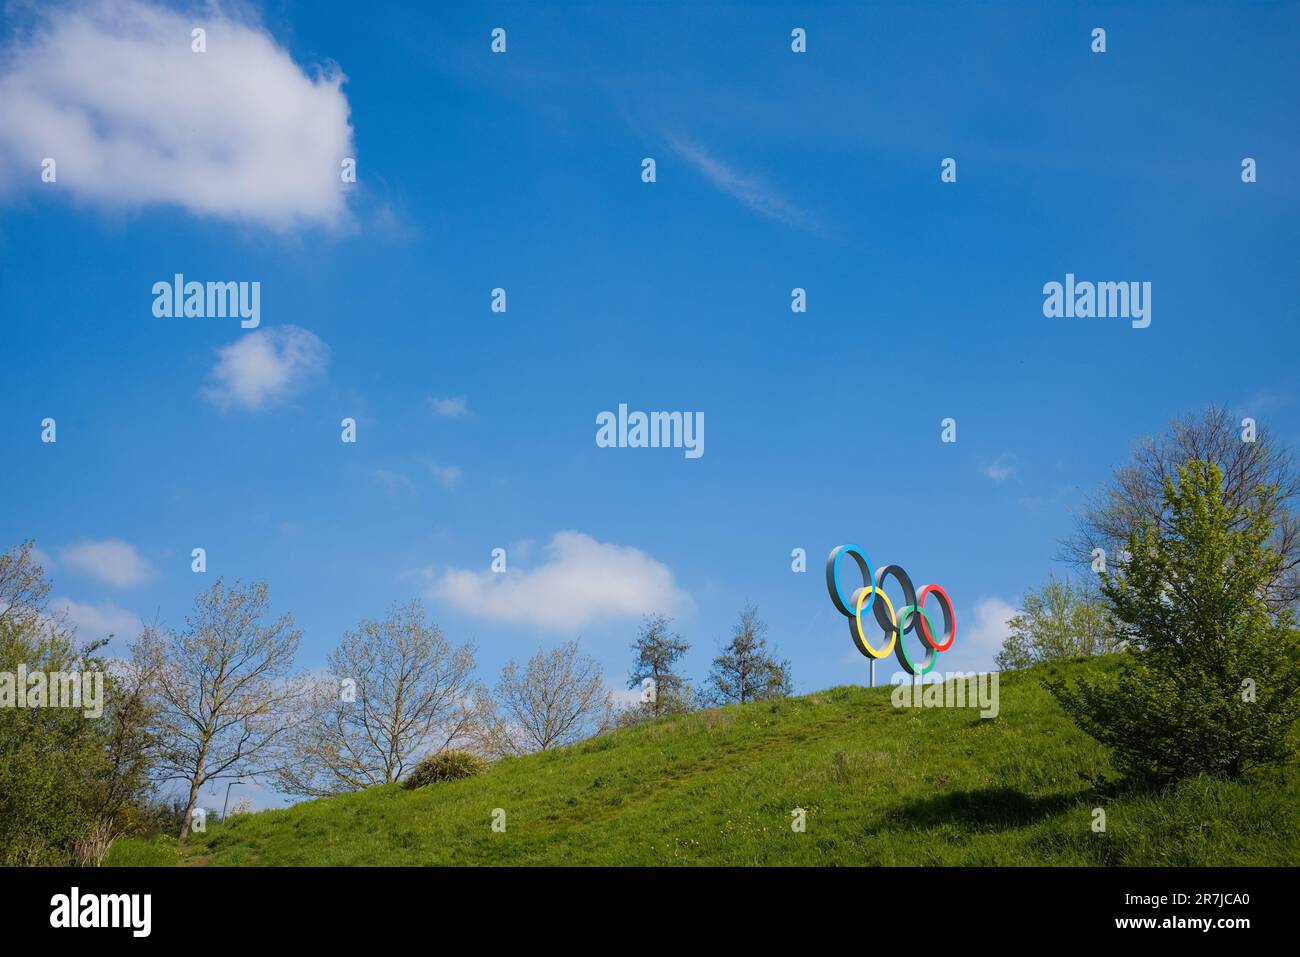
(1211, 681)
(445, 766)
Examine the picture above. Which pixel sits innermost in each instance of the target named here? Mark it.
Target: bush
(445, 766)
(1211, 681)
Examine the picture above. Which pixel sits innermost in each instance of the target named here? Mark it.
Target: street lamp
(227, 800)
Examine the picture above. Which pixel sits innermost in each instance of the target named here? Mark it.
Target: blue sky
(522, 171)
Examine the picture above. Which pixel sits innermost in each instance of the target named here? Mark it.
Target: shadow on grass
(982, 809)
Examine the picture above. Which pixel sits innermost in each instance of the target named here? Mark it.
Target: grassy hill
(880, 786)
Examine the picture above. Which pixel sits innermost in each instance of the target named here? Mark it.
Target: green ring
(906, 612)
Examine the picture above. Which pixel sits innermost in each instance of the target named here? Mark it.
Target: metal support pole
(227, 800)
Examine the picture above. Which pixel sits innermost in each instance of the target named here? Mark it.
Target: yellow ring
(859, 637)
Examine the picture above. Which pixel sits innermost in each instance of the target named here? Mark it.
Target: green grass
(880, 786)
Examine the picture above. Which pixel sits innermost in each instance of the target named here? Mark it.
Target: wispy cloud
(394, 483)
(98, 621)
(1266, 400)
(392, 223)
(112, 561)
(450, 407)
(1001, 468)
(748, 189)
(448, 476)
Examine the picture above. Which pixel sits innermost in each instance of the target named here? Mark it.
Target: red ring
(925, 628)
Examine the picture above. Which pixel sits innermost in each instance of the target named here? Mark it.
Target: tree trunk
(189, 807)
(194, 790)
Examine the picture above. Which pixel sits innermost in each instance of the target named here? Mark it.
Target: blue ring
(833, 574)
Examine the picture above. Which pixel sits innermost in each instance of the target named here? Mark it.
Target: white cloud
(521, 550)
(97, 621)
(750, 190)
(265, 367)
(450, 407)
(1002, 468)
(581, 581)
(984, 629)
(448, 476)
(113, 93)
(113, 561)
(626, 697)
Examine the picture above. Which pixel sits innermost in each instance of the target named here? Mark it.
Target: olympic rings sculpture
(894, 624)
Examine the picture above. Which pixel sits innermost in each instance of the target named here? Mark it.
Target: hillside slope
(880, 785)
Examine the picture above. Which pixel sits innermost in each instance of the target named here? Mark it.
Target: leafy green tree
(71, 782)
(23, 585)
(120, 796)
(657, 651)
(46, 754)
(1211, 682)
(1059, 620)
(746, 670)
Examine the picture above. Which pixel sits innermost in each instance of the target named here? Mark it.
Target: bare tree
(396, 691)
(224, 692)
(559, 698)
(1136, 492)
(746, 670)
